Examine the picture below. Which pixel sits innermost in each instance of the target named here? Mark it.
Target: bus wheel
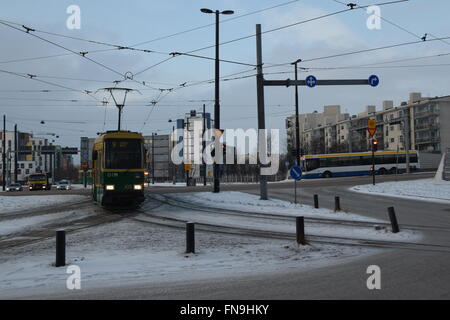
(393, 170)
(327, 174)
(382, 171)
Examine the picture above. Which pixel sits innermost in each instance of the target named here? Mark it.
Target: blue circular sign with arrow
(296, 172)
(311, 81)
(374, 80)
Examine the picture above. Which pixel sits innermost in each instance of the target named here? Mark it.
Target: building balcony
(428, 140)
(426, 114)
(426, 126)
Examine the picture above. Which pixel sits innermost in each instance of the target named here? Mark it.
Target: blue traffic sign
(374, 80)
(311, 81)
(296, 172)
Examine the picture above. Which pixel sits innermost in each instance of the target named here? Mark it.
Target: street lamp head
(296, 61)
(170, 120)
(227, 12)
(204, 10)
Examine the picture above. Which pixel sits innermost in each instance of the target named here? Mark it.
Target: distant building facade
(418, 124)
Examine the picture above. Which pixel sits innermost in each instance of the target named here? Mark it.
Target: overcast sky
(128, 23)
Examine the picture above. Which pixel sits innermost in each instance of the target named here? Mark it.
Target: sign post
(296, 174)
(372, 129)
(310, 82)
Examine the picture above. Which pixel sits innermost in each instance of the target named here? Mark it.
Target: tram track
(46, 231)
(178, 223)
(263, 215)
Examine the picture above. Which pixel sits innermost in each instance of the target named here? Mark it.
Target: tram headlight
(137, 187)
(109, 187)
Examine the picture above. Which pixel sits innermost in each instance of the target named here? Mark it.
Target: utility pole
(16, 152)
(350, 139)
(406, 139)
(153, 158)
(297, 122)
(261, 113)
(203, 146)
(217, 106)
(4, 154)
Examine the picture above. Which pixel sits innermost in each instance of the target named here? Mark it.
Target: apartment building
(308, 122)
(415, 124)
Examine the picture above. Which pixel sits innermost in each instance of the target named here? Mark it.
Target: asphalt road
(405, 274)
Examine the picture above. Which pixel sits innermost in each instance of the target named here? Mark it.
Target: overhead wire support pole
(297, 122)
(261, 112)
(4, 154)
(217, 105)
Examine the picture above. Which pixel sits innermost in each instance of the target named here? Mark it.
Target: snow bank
(251, 203)
(440, 169)
(423, 189)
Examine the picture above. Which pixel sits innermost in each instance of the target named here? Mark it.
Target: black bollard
(300, 228)
(190, 237)
(393, 219)
(337, 204)
(60, 248)
(316, 201)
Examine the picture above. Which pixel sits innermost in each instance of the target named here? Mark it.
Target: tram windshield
(123, 154)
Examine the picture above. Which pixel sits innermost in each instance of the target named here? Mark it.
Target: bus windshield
(37, 177)
(123, 154)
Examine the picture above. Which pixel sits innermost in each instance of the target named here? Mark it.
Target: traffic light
(374, 145)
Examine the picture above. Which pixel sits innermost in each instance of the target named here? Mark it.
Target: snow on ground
(251, 203)
(167, 184)
(284, 225)
(129, 252)
(17, 203)
(424, 189)
(8, 227)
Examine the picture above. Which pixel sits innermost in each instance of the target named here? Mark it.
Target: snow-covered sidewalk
(424, 190)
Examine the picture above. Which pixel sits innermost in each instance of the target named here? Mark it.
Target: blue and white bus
(357, 164)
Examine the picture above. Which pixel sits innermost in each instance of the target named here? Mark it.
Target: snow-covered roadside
(130, 252)
(17, 203)
(424, 190)
(251, 203)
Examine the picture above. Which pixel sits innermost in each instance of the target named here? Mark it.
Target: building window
(30, 166)
(392, 139)
(22, 165)
(27, 171)
(392, 128)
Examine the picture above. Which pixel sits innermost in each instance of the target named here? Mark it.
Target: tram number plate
(112, 174)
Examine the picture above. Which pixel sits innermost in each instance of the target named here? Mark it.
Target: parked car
(14, 187)
(63, 185)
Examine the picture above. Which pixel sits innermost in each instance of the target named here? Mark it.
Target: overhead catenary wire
(81, 54)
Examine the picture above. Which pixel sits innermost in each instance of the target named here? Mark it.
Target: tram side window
(123, 154)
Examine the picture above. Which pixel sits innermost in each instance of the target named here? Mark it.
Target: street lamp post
(297, 123)
(173, 137)
(216, 99)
